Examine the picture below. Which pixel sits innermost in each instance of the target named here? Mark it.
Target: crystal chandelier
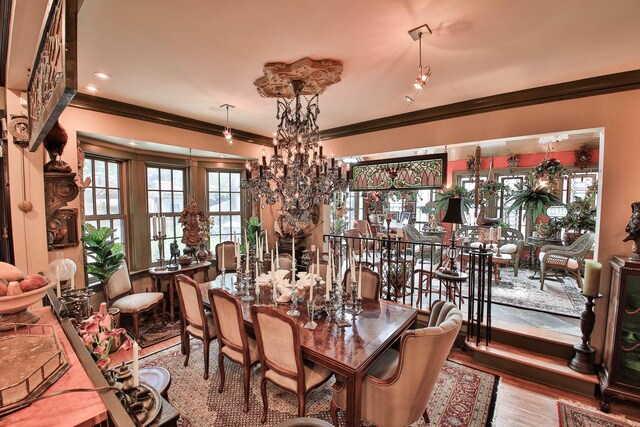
(299, 175)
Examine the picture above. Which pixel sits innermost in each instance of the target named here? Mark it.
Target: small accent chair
(397, 388)
(233, 341)
(118, 292)
(568, 259)
(229, 257)
(371, 282)
(196, 322)
(427, 248)
(281, 357)
(513, 242)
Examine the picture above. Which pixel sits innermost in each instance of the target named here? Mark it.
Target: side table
(452, 284)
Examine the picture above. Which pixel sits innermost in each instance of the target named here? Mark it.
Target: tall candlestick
(164, 225)
(266, 240)
(328, 279)
(592, 270)
(154, 225)
(223, 257)
(499, 233)
(491, 234)
(360, 282)
(293, 252)
(318, 262)
(136, 378)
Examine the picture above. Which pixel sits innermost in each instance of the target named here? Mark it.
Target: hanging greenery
(551, 169)
(444, 195)
(492, 188)
(534, 199)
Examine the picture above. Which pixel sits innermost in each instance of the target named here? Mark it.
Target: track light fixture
(227, 131)
(424, 72)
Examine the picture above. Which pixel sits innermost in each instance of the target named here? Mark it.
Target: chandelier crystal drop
(298, 175)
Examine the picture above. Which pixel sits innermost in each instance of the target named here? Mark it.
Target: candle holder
(294, 312)
(311, 324)
(160, 238)
(584, 360)
(330, 305)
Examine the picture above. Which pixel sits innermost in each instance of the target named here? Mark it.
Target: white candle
(592, 270)
(273, 268)
(491, 234)
(360, 281)
(318, 262)
(313, 248)
(266, 240)
(58, 279)
(328, 279)
(262, 250)
(277, 255)
(223, 257)
(256, 269)
(499, 233)
(164, 225)
(136, 378)
(293, 252)
(73, 280)
(154, 225)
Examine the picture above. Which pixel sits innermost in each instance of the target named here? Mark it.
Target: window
(425, 197)
(223, 188)
(576, 185)
(103, 205)
(165, 196)
(355, 206)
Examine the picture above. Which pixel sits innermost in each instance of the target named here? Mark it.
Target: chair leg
(221, 369)
(265, 400)
(247, 379)
(301, 398)
(163, 308)
(206, 358)
(136, 326)
(187, 347)
(425, 415)
(543, 274)
(334, 413)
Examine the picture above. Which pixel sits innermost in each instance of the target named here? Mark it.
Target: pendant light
(227, 131)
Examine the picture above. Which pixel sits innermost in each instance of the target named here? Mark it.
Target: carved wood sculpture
(60, 188)
(195, 224)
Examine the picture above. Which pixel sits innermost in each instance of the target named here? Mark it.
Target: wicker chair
(567, 259)
(425, 247)
(514, 242)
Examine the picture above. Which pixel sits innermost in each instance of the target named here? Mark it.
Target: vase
(116, 341)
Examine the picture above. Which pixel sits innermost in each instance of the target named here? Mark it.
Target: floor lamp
(454, 217)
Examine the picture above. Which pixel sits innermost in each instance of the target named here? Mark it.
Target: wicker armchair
(568, 259)
(427, 247)
(512, 238)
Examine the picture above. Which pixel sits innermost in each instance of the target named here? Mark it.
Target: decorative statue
(633, 228)
(54, 143)
(195, 225)
(174, 250)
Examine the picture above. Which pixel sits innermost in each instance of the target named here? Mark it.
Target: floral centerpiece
(98, 336)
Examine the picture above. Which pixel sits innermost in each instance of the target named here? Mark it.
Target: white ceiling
(188, 58)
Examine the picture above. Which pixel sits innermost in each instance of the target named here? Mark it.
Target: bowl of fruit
(17, 291)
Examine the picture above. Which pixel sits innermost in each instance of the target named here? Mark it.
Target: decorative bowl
(184, 260)
(17, 303)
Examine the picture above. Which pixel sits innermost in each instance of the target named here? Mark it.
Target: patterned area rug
(153, 333)
(572, 414)
(556, 297)
(462, 396)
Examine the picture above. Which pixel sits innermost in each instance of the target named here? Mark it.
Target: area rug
(462, 396)
(556, 298)
(154, 332)
(573, 414)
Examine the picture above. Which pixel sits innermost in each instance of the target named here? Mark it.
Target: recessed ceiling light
(221, 156)
(101, 75)
(350, 160)
(92, 88)
(132, 143)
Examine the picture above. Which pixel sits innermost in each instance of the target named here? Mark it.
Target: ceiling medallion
(317, 75)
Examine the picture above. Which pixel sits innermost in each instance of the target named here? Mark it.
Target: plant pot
(115, 323)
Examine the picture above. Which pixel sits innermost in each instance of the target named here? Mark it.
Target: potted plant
(491, 188)
(442, 201)
(550, 169)
(533, 198)
(580, 218)
(338, 215)
(104, 254)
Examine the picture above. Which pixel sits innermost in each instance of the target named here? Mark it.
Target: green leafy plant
(581, 214)
(338, 217)
(442, 200)
(550, 169)
(491, 188)
(104, 253)
(534, 199)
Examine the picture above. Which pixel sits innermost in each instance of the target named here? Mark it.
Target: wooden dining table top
(344, 350)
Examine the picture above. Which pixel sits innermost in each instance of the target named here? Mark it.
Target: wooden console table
(190, 270)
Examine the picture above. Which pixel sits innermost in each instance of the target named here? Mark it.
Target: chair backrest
(353, 237)
(119, 284)
(581, 246)
(229, 256)
(227, 316)
(285, 261)
(278, 341)
(422, 355)
(412, 233)
(190, 297)
(323, 268)
(371, 282)
(363, 226)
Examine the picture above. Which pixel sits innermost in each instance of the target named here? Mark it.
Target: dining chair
(281, 360)
(371, 282)
(397, 388)
(195, 321)
(285, 262)
(233, 342)
(354, 240)
(118, 291)
(312, 267)
(229, 257)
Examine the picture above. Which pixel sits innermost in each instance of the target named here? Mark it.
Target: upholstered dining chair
(118, 291)
(196, 322)
(285, 262)
(566, 259)
(234, 344)
(312, 267)
(229, 257)
(353, 237)
(397, 388)
(371, 282)
(281, 357)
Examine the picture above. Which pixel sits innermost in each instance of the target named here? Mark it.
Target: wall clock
(19, 129)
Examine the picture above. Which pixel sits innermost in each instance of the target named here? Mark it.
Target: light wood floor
(519, 403)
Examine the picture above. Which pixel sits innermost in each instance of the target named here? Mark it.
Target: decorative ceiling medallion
(316, 75)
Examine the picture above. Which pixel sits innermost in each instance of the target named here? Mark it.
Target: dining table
(347, 351)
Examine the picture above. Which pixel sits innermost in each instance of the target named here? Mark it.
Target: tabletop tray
(32, 359)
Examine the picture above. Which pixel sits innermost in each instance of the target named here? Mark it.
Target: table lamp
(555, 213)
(453, 216)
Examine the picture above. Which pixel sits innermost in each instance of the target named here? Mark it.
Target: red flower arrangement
(98, 336)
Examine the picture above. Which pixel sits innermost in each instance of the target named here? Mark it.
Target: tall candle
(103, 308)
(58, 279)
(360, 281)
(164, 225)
(491, 234)
(73, 280)
(318, 262)
(273, 267)
(154, 225)
(499, 229)
(266, 240)
(136, 378)
(277, 255)
(223, 257)
(328, 279)
(293, 252)
(592, 270)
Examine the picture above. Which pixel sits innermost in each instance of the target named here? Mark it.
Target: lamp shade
(454, 212)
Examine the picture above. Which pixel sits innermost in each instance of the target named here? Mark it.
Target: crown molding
(628, 80)
(131, 111)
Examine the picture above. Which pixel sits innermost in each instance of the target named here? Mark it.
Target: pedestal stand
(584, 360)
